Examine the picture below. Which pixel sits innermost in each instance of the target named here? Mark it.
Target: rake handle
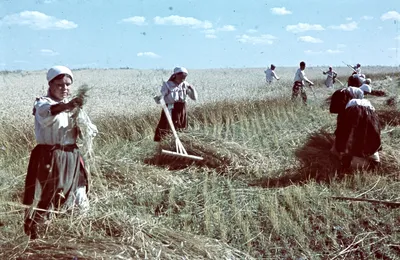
(167, 114)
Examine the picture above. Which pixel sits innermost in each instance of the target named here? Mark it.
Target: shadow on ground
(212, 157)
(319, 164)
(316, 163)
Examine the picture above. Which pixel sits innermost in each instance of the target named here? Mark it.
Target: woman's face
(180, 77)
(60, 88)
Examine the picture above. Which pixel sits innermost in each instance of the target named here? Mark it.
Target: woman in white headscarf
(175, 92)
(56, 178)
(357, 130)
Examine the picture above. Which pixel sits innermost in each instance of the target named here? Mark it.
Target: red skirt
(179, 118)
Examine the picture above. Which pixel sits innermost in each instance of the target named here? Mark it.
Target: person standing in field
(298, 86)
(330, 79)
(56, 178)
(270, 74)
(357, 68)
(175, 93)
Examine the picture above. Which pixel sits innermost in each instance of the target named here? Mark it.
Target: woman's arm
(191, 92)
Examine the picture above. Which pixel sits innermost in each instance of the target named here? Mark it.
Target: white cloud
(251, 31)
(321, 52)
(333, 51)
(182, 21)
(48, 52)
(211, 36)
(280, 11)
(137, 20)
(312, 52)
(262, 39)
(392, 49)
(38, 21)
(391, 15)
(341, 45)
(397, 38)
(345, 27)
(367, 17)
(227, 28)
(349, 18)
(309, 39)
(147, 54)
(303, 27)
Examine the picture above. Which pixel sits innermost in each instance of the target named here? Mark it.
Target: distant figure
(357, 68)
(270, 74)
(366, 87)
(175, 93)
(330, 80)
(298, 86)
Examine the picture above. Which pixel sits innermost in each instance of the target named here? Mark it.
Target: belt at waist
(65, 147)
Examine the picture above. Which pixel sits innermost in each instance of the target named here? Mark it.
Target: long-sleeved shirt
(270, 75)
(329, 79)
(357, 69)
(56, 129)
(177, 93)
(300, 76)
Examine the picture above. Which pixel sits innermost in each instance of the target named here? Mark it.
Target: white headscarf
(58, 70)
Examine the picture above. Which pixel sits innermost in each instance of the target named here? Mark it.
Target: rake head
(181, 155)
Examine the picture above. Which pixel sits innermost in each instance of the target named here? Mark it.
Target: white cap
(366, 88)
(180, 69)
(58, 70)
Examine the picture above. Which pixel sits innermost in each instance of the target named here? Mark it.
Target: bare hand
(76, 102)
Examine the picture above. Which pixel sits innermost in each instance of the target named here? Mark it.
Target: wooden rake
(180, 150)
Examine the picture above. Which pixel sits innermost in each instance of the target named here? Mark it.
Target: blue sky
(151, 34)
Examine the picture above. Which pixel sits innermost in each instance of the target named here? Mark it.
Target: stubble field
(264, 189)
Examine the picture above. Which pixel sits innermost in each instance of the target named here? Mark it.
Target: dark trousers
(297, 89)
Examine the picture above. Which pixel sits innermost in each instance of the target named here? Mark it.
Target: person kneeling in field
(298, 86)
(358, 130)
(175, 93)
(356, 80)
(56, 179)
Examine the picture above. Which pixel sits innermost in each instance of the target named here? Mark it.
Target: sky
(197, 34)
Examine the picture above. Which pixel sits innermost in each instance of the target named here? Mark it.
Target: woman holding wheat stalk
(175, 92)
(56, 179)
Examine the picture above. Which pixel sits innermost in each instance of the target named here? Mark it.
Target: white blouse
(56, 129)
(177, 93)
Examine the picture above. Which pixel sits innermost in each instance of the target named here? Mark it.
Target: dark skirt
(358, 132)
(54, 174)
(179, 118)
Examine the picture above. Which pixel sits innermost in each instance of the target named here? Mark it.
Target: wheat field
(265, 189)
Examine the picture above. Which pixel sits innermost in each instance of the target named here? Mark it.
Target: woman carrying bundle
(175, 92)
(56, 179)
